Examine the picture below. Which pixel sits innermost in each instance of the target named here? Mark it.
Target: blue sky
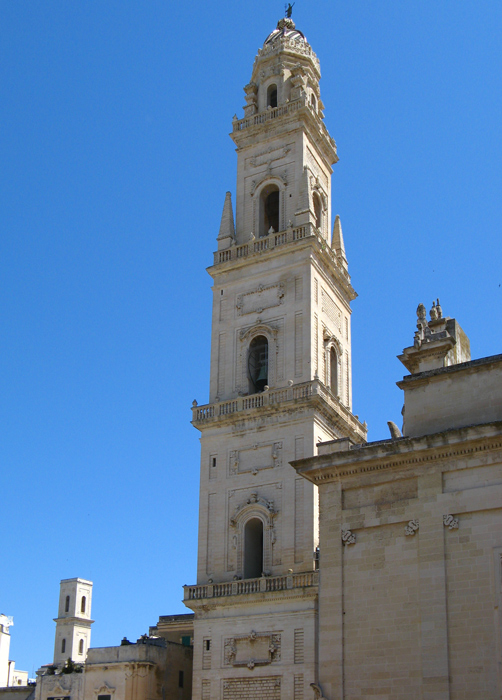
(114, 161)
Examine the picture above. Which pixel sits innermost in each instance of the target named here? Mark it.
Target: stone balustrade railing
(273, 397)
(271, 241)
(267, 115)
(282, 110)
(264, 584)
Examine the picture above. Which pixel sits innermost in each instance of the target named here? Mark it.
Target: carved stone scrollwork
(450, 522)
(259, 299)
(348, 537)
(234, 462)
(254, 649)
(230, 650)
(412, 527)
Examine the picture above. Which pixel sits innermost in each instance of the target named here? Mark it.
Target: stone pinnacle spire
(337, 241)
(227, 229)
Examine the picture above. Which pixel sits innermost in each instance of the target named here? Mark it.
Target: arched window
(272, 96)
(313, 101)
(82, 604)
(258, 364)
(333, 371)
(67, 604)
(81, 647)
(269, 209)
(63, 646)
(253, 548)
(317, 211)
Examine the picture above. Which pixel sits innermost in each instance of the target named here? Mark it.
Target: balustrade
(265, 584)
(271, 241)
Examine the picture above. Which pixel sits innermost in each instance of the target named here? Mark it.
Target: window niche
(81, 646)
(255, 369)
(253, 548)
(272, 96)
(82, 604)
(253, 536)
(317, 211)
(67, 604)
(333, 371)
(269, 210)
(333, 353)
(258, 364)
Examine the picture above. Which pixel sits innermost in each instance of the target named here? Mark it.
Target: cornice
(322, 258)
(420, 378)
(402, 453)
(74, 621)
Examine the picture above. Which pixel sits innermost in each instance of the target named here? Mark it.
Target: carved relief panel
(259, 299)
(255, 457)
(254, 649)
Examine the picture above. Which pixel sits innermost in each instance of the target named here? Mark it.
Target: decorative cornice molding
(385, 463)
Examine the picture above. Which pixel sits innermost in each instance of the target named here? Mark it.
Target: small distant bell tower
(73, 623)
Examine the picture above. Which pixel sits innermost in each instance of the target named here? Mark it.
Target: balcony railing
(264, 584)
(271, 241)
(283, 110)
(273, 397)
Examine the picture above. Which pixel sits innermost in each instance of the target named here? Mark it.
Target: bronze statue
(289, 9)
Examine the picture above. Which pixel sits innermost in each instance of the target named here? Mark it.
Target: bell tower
(280, 382)
(73, 623)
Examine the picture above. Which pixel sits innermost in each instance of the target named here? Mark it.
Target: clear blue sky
(115, 159)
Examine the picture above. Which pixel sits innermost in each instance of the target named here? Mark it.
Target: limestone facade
(280, 382)
(411, 539)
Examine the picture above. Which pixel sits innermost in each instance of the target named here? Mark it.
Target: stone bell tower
(280, 382)
(73, 623)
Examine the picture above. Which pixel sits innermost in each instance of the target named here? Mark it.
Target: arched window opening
(82, 604)
(253, 548)
(258, 364)
(333, 371)
(269, 210)
(81, 647)
(317, 211)
(63, 646)
(67, 604)
(313, 102)
(272, 96)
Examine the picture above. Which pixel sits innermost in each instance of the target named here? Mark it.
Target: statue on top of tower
(288, 9)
